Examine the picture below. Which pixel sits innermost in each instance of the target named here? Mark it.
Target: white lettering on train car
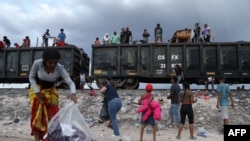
(174, 57)
(161, 57)
(173, 64)
(163, 66)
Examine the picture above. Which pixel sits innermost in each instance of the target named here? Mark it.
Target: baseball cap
(149, 87)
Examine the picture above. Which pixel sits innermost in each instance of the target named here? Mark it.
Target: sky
(84, 20)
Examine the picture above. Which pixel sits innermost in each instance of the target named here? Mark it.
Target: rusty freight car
(130, 64)
(15, 63)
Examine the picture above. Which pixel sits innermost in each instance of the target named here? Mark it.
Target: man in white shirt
(82, 81)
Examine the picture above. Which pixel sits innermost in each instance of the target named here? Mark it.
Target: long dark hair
(50, 53)
(186, 86)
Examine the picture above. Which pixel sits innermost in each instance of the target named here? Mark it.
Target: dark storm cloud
(84, 20)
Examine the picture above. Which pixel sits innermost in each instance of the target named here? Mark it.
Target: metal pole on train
(37, 39)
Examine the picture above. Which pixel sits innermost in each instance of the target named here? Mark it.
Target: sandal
(178, 137)
(192, 138)
(110, 126)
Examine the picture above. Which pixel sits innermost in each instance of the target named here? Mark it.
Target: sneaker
(192, 138)
(170, 125)
(221, 131)
(115, 135)
(178, 137)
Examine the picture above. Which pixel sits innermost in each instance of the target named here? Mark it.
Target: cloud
(85, 20)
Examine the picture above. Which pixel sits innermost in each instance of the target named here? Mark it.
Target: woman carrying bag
(114, 104)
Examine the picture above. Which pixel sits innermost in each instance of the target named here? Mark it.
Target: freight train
(130, 64)
(16, 63)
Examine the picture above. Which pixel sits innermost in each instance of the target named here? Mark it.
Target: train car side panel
(129, 61)
(228, 61)
(106, 62)
(25, 63)
(209, 61)
(160, 64)
(192, 61)
(154, 63)
(2, 64)
(176, 57)
(244, 62)
(144, 65)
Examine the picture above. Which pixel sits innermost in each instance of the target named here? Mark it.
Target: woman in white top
(43, 95)
(106, 38)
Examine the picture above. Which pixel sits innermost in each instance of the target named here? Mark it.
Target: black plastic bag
(104, 114)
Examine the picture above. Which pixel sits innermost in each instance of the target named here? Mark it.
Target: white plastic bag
(69, 125)
(202, 132)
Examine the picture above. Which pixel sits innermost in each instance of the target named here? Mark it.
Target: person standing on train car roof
(145, 36)
(106, 39)
(46, 37)
(6, 41)
(206, 32)
(197, 30)
(122, 36)
(128, 36)
(61, 38)
(115, 38)
(158, 33)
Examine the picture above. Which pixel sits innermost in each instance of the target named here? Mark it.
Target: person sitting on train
(97, 41)
(26, 42)
(16, 45)
(1, 44)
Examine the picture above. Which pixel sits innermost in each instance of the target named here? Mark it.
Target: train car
(15, 63)
(130, 64)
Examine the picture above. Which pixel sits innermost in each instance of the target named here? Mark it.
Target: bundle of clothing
(152, 107)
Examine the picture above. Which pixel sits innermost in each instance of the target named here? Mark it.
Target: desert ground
(15, 115)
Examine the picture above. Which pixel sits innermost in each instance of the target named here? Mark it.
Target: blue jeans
(114, 107)
(179, 77)
(174, 113)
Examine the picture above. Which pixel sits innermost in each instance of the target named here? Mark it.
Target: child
(150, 120)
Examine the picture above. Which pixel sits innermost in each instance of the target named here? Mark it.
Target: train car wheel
(132, 83)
